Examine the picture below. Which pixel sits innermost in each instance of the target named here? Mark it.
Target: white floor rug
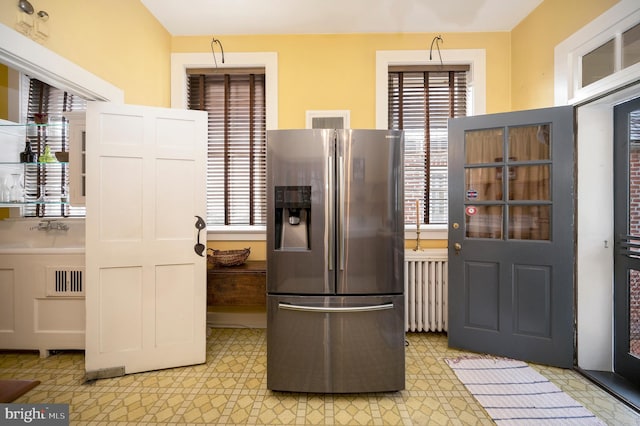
(515, 394)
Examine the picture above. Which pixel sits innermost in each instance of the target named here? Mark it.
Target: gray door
(511, 235)
(627, 233)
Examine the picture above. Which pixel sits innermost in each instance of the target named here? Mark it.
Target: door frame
(594, 260)
(594, 164)
(624, 364)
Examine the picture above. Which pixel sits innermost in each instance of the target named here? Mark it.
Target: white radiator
(425, 290)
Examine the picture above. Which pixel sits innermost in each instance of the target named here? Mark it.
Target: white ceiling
(228, 17)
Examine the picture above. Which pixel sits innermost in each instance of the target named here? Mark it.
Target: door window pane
(634, 312)
(483, 222)
(483, 183)
(483, 146)
(598, 63)
(529, 143)
(530, 222)
(634, 173)
(631, 46)
(530, 183)
(634, 230)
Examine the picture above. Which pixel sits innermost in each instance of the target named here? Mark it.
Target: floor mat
(10, 390)
(515, 394)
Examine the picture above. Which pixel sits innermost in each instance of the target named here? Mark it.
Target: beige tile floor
(231, 389)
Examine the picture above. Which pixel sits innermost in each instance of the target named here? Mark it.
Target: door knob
(457, 247)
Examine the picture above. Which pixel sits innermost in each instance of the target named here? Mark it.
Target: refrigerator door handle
(327, 309)
(329, 217)
(341, 209)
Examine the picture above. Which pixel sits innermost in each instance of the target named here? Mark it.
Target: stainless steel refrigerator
(335, 254)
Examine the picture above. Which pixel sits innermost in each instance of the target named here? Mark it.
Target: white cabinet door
(146, 285)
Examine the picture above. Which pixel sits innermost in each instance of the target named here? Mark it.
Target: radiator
(425, 290)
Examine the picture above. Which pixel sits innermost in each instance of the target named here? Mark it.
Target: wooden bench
(243, 285)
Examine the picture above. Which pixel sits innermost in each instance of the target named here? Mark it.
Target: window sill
(236, 233)
(259, 233)
(427, 232)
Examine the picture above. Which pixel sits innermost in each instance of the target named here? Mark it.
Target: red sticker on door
(470, 210)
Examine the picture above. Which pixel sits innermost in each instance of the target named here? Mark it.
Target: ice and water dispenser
(293, 217)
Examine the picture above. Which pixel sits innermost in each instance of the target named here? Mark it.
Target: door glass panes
(529, 182)
(634, 231)
(598, 63)
(634, 312)
(530, 222)
(631, 46)
(634, 175)
(483, 184)
(525, 174)
(483, 146)
(484, 222)
(528, 143)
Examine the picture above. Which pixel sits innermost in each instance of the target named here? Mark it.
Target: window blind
(236, 154)
(421, 100)
(44, 184)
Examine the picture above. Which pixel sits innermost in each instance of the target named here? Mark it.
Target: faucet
(49, 224)
(60, 226)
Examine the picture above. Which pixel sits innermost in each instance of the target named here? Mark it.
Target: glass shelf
(39, 163)
(33, 203)
(57, 122)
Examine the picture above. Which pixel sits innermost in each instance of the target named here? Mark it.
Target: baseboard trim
(237, 317)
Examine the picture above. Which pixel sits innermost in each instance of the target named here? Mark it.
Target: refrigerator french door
(335, 253)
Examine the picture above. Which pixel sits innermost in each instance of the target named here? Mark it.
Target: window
(421, 100)
(631, 46)
(45, 184)
(598, 63)
(601, 57)
(236, 164)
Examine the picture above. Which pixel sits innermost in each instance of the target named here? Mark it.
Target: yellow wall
(533, 43)
(121, 42)
(117, 40)
(318, 72)
(328, 72)
(259, 248)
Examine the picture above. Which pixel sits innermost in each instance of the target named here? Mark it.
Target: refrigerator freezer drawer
(335, 344)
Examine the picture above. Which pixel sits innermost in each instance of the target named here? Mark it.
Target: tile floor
(231, 389)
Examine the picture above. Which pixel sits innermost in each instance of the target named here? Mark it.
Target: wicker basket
(227, 257)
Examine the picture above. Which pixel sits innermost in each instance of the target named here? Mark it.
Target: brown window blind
(49, 178)
(421, 100)
(236, 163)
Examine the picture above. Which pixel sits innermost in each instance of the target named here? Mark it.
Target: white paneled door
(146, 285)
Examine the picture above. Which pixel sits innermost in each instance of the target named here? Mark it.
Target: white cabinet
(42, 304)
